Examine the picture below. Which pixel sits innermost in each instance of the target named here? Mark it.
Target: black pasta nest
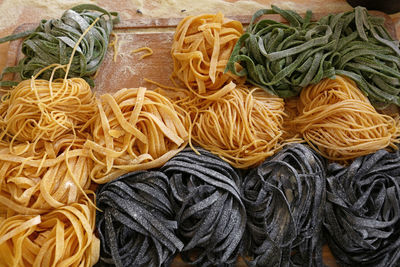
(284, 199)
(362, 214)
(211, 216)
(136, 226)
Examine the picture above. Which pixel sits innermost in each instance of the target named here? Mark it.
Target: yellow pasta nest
(63, 237)
(337, 120)
(42, 110)
(35, 179)
(135, 129)
(242, 126)
(43, 164)
(201, 48)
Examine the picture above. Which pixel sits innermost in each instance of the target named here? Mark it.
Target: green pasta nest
(283, 58)
(53, 41)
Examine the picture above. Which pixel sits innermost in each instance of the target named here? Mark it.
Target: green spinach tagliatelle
(283, 58)
(52, 42)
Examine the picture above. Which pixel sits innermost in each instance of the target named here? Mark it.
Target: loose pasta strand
(115, 45)
(145, 48)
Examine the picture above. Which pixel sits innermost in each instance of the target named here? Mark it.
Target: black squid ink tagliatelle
(284, 199)
(362, 213)
(136, 225)
(206, 197)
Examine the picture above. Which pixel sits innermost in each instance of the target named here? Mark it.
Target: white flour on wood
(11, 10)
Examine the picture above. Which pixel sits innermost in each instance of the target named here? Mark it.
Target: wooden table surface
(16, 12)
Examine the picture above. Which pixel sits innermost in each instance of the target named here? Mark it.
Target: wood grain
(129, 70)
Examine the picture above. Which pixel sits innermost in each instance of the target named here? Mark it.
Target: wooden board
(129, 70)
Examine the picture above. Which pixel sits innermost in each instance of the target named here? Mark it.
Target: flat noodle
(145, 48)
(115, 45)
(242, 126)
(135, 129)
(62, 237)
(201, 48)
(338, 121)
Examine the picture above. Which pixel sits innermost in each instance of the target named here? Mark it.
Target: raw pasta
(243, 126)
(46, 110)
(336, 119)
(201, 48)
(135, 129)
(63, 237)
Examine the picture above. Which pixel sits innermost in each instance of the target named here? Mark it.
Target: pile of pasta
(284, 58)
(337, 120)
(241, 124)
(46, 198)
(136, 129)
(201, 48)
(57, 138)
(61, 237)
(53, 41)
(59, 141)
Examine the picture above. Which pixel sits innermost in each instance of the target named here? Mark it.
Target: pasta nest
(36, 178)
(63, 237)
(135, 129)
(201, 48)
(42, 110)
(361, 216)
(242, 126)
(337, 119)
(139, 199)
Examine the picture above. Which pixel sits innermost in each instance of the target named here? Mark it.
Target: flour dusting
(11, 10)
